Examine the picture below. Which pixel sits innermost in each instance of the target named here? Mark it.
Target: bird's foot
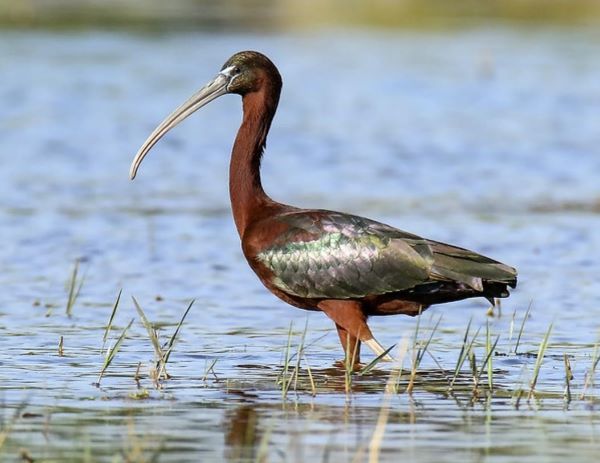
(343, 365)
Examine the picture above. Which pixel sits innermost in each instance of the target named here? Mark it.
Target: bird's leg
(350, 316)
(351, 345)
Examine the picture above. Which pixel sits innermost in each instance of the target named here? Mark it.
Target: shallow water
(485, 138)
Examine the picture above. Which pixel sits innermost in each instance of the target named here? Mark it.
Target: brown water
(485, 138)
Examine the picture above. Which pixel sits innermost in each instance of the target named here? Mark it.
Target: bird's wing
(323, 254)
(452, 263)
(331, 255)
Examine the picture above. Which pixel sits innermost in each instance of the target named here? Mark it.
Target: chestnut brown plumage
(346, 266)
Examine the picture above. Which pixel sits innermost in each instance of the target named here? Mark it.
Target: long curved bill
(214, 89)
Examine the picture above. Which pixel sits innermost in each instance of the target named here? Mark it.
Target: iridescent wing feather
(326, 254)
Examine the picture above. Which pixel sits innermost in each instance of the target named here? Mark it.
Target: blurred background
(281, 14)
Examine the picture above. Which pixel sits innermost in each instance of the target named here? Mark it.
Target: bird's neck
(248, 199)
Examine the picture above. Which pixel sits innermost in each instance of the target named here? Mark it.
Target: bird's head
(244, 73)
(247, 71)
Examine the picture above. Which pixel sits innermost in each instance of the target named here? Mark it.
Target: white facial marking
(227, 73)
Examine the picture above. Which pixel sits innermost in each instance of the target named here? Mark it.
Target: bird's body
(310, 255)
(347, 266)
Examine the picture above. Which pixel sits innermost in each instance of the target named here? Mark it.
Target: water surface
(485, 138)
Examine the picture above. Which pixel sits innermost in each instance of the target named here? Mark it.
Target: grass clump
(162, 352)
(291, 375)
(419, 353)
(465, 352)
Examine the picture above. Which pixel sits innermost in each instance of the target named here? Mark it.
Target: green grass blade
(489, 352)
(349, 361)
(375, 361)
(415, 356)
(463, 348)
(286, 364)
(522, 327)
(112, 317)
(488, 362)
(539, 360)
(80, 285)
(426, 346)
(171, 342)
(591, 373)
(313, 388)
(464, 353)
(150, 329)
(511, 328)
(112, 352)
(210, 369)
(73, 292)
(299, 354)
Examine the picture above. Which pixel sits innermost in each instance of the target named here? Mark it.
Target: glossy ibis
(347, 266)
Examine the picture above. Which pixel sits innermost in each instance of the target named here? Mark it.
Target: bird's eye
(236, 70)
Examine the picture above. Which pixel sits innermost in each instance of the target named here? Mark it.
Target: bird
(346, 266)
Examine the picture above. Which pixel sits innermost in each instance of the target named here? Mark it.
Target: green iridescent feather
(332, 255)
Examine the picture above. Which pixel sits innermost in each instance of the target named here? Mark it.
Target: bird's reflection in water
(243, 434)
